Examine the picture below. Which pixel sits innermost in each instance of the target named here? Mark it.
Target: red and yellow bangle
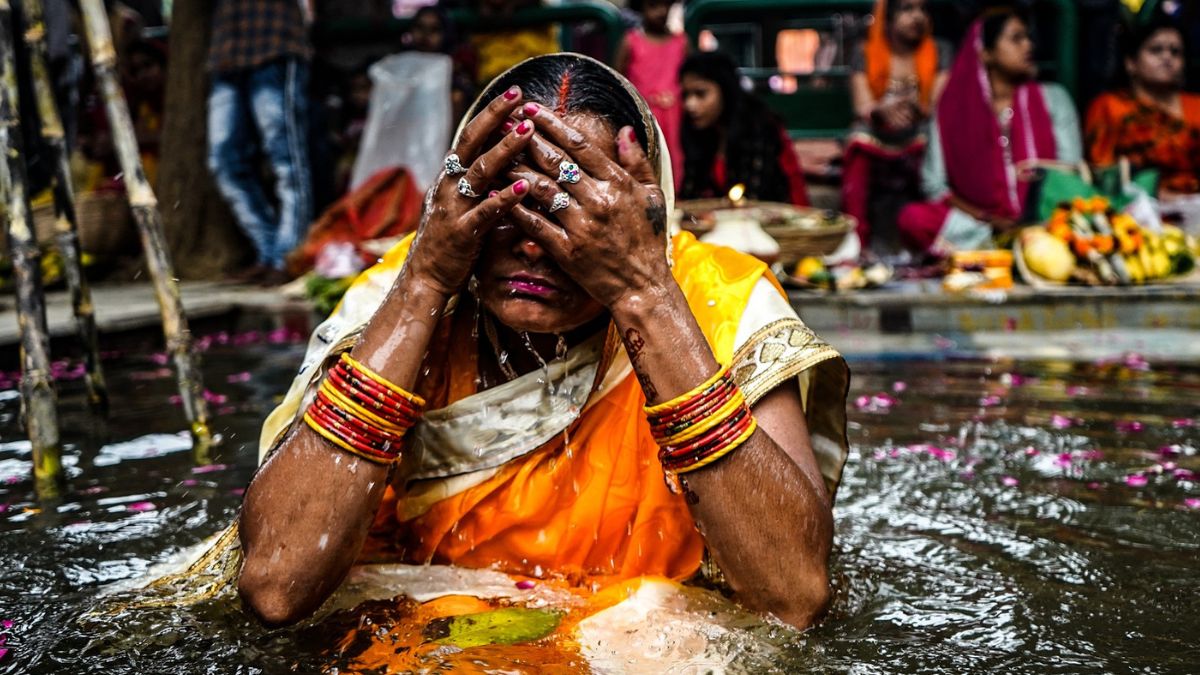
(362, 413)
(701, 426)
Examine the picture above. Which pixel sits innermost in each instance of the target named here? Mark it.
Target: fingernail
(632, 136)
(508, 125)
(524, 127)
(520, 186)
(531, 109)
(512, 93)
(493, 193)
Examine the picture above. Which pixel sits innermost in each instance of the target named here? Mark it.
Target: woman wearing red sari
(899, 73)
(1153, 123)
(993, 120)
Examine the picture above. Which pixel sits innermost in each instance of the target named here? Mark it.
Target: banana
(1134, 267)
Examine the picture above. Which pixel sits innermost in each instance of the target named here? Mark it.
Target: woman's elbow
(274, 602)
(805, 601)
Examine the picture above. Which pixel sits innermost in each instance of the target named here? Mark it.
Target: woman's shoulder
(1108, 104)
(1056, 96)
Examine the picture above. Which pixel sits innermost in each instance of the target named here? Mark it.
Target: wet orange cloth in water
(878, 52)
(596, 507)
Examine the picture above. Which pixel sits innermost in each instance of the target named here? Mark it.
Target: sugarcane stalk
(37, 389)
(66, 228)
(150, 227)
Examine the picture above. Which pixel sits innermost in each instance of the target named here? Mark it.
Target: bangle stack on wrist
(362, 413)
(705, 424)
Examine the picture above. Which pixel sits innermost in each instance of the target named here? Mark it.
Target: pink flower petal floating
(141, 507)
(93, 490)
(1032, 452)
(189, 482)
(1064, 459)
(899, 386)
(3, 508)
(1192, 502)
(1009, 481)
(876, 402)
(175, 399)
(1167, 466)
(1077, 390)
(525, 584)
(1129, 426)
(1135, 361)
(1091, 455)
(1094, 485)
(215, 398)
(243, 376)
(1136, 480)
(1183, 423)
(1061, 421)
(1013, 379)
(989, 401)
(1010, 323)
(1185, 474)
(160, 358)
(209, 468)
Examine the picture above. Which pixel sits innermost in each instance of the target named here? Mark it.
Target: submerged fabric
(1121, 126)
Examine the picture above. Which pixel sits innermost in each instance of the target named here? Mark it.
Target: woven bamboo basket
(105, 223)
(801, 232)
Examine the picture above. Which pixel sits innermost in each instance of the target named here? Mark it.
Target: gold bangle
(685, 397)
(733, 445)
(359, 367)
(332, 438)
(340, 398)
(716, 417)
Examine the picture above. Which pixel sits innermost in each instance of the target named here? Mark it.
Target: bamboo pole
(37, 389)
(149, 222)
(66, 229)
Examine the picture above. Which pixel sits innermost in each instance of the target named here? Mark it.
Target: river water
(995, 515)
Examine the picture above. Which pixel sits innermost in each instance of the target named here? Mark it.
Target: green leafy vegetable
(506, 626)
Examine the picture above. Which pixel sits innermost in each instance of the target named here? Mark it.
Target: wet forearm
(766, 521)
(308, 510)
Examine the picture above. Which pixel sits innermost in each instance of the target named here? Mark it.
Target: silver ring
(561, 201)
(465, 189)
(568, 172)
(454, 165)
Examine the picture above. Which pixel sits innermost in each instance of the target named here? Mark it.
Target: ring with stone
(568, 172)
(454, 165)
(561, 201)
(465, 189)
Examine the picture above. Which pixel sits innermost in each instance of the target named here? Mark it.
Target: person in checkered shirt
(258, 62)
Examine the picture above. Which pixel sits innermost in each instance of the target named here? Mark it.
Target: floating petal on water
(141, 507)
(1136, 480)
(1129, 426)
(1009, 481)
(1061, 421)
(1192, 502)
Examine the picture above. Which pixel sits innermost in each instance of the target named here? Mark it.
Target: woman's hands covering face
(456, 221)
(612, 218)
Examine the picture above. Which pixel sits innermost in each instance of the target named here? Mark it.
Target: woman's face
(910, 23)
(518, 281)
(427, 33)
(701, 100)
(1012, 56)
(1159, 63)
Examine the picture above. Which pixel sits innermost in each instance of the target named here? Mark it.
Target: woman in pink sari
(993, 120)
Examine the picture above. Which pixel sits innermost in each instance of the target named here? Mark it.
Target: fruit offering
(1086, 240)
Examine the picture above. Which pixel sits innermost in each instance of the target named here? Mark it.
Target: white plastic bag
(408, 121)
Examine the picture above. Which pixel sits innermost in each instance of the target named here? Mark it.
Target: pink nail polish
(493, 193)
(512, 93)
(524, 127)
(531, 109)
(520, 187)
(632, 136)
(508, 125)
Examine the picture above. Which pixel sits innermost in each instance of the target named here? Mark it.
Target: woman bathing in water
(580, 393)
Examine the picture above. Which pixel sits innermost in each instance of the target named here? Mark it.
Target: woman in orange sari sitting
(899, 73)
(1153, 122)
(546, 382)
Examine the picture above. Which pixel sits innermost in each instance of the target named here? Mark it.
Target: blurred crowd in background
(327, 118)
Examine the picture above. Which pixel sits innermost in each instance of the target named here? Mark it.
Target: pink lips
(531, 286)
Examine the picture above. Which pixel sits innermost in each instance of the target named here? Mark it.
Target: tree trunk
(202, 237)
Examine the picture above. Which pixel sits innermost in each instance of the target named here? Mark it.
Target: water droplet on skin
(323, 541)
(712, 303)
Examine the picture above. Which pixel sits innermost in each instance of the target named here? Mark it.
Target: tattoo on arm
(635, 344)
(656, 213)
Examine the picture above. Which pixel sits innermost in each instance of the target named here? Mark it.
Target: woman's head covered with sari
(996, 45)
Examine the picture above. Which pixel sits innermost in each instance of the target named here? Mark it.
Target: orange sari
(1118, 125)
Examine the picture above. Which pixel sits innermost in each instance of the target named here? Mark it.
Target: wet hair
(570, 84)
(752, 137)
(994, 20)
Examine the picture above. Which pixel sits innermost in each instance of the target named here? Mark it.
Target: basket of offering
(800, 232)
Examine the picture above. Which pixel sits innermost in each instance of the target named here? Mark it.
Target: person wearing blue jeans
(258, 107)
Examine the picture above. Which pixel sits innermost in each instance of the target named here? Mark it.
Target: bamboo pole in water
(66, 229)
(37, 389)
(149, 222)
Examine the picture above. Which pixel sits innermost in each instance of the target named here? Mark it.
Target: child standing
(650, 57)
